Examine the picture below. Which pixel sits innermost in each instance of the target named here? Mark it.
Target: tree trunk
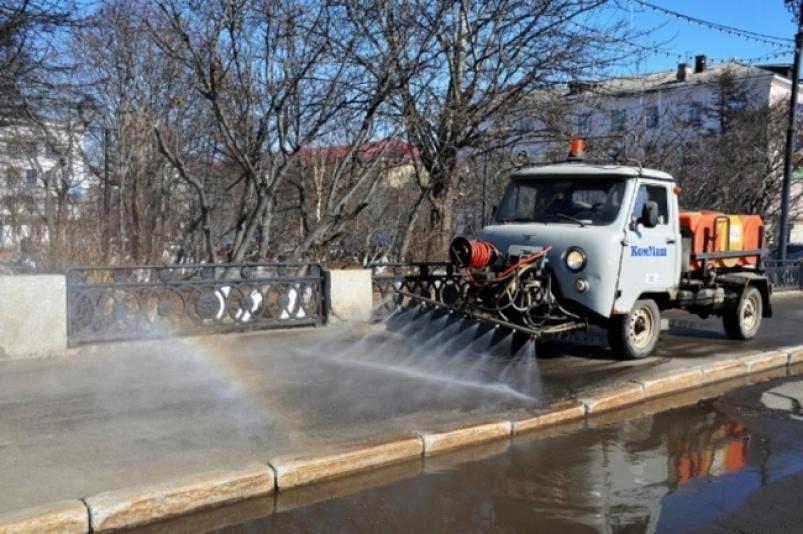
(50, 220)
(443, 224)
(264, 231)
(407, 235)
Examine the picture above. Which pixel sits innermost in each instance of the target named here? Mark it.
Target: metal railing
(118, 303)
(785, 275)
(438, 281)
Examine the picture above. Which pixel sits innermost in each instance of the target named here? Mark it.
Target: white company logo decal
(647, 251)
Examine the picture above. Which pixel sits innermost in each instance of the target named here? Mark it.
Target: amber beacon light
(576, 147)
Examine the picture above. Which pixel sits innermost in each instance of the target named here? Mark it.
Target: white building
(670, 108)
(35, 158)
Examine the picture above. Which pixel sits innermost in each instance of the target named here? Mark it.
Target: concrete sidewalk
(114, 416)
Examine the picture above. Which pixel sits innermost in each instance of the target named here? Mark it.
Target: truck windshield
(583, 201)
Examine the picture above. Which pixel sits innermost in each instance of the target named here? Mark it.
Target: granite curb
(141, 505)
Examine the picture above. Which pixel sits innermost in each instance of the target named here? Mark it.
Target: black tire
(634, 335)
(743, 321)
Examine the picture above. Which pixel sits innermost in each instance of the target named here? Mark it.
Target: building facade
(41, 170)
(668, 119)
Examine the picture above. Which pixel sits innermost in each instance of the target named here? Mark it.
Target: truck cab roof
(582, 169)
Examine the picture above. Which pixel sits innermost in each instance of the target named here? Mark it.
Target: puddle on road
(726, 464)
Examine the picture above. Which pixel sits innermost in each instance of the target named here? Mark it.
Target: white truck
(580, 243)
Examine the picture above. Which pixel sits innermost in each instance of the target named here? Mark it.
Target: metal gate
(438, 281)
(785, 275)
(119, 303)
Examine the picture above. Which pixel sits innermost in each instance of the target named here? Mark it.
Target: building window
(12, 177)
(31, 149)
(584, 124)
(13, 149)
(695, 113)
(651, 117)
(736, 102)
(52, 151)
(31, 176)
(618, 120)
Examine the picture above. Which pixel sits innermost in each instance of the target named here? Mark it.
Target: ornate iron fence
(117, 303)
(784, 275)
(438, 281)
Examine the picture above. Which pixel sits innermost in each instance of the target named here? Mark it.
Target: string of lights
(777, 54)
(771, 40)
(656, 50)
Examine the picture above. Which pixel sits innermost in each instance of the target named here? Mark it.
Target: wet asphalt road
(114, 416)
(730, 463)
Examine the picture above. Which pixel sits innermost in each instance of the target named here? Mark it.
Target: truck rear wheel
(635, 334)
(743, 321)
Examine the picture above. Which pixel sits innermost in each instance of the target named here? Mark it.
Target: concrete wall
(33, 316)
(351, 294)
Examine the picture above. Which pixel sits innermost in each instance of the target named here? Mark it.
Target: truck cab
(605, 253)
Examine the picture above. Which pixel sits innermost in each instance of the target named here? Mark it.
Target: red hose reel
(472, 254)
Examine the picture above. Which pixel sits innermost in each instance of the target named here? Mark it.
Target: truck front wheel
(635, 334)
(743, 321)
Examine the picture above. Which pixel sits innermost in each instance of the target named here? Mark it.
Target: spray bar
(555, 329)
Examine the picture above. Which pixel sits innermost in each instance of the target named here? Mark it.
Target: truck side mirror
(493, 212)
(649, 214)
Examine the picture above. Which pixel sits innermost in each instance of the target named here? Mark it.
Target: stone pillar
(351, 295)
(33, 316)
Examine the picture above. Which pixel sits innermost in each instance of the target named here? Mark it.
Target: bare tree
(245, 129)
(37, 111)
(28, 31)
(467, 64)
(131, 89)
(272, 84)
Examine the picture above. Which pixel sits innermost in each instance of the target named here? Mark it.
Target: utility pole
(783, 226)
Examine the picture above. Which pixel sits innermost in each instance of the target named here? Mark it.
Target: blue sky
(681, 38)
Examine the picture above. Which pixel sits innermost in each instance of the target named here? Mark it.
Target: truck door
(650, 259)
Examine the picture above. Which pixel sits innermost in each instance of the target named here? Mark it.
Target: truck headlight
(575, 259)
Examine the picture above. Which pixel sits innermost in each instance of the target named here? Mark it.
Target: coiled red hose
(472, 254)
(510, 271)
(482, 254)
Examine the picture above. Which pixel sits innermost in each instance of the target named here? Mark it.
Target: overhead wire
(749, 35)
(772, 40)
(756, 59)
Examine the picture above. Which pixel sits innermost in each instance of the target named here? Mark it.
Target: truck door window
(657, 194)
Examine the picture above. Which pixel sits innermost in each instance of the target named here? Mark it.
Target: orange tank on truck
(713, 231)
